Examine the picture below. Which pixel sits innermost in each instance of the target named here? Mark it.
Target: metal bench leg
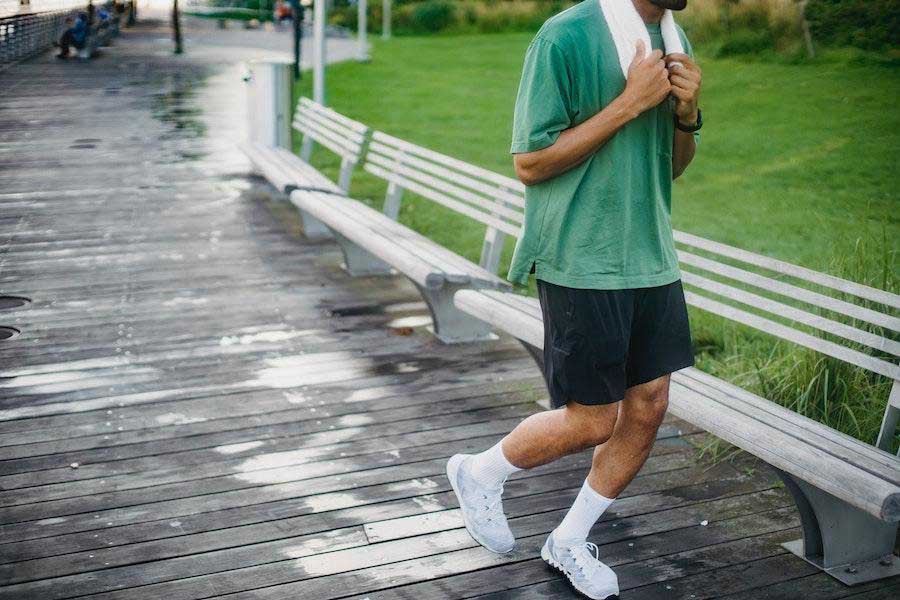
(313, 228)
(849, 544)
(449, 324)
(358, 262)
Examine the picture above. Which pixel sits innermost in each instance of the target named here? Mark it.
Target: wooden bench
(847, 492)
(287, 171)
(375, 243)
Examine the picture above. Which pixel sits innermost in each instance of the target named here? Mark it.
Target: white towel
(627, 28)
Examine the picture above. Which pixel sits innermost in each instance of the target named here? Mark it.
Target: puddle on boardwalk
(180, 109)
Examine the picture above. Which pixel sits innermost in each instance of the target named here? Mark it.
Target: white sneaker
(580, 563)
(481, 508)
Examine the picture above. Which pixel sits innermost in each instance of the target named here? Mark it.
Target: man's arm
(647, 85)
(685, 77)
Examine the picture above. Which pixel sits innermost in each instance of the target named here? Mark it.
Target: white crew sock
(491, 467)
(587, 508)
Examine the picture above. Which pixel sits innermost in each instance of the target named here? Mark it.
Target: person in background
(283, 12)
(74, 35)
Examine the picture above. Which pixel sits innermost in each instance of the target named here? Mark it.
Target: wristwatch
(690, 128)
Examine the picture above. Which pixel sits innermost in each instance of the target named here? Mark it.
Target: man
(74, 35)
(598, 152)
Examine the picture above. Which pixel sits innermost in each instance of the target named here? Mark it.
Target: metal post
(319, 51)
(361, 27)
(297, 20)
(176, 28)
(386, 19)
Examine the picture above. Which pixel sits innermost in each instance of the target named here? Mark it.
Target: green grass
(796, 161)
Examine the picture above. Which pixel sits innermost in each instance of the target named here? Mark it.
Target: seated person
(74, 35)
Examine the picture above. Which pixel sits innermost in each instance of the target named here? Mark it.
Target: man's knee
(593, 425)
(645, 405)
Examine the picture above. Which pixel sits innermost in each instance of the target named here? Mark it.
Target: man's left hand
(685, 77)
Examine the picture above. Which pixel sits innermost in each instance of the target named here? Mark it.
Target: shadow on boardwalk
(201, 403)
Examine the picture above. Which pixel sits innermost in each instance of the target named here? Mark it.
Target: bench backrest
(342, 135)
(491, 199)
(843, 310)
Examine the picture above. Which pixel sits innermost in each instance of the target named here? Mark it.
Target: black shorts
(598, 343)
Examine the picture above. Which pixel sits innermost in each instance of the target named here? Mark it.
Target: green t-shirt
(604, 224)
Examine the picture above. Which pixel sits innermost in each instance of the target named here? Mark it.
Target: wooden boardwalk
(201, 404)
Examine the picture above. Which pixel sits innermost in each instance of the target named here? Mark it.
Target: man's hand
(648, 80)
(685, 77)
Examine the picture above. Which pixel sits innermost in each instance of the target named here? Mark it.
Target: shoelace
(586, 558)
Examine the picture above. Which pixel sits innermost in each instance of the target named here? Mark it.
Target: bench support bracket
(314, 229)
(449, 324)
(358, 262)
(847, 543)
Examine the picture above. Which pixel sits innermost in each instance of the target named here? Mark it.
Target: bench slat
(491, 190)
(305, 117)
(443, 260)
(363, 225)
(440, 199)
(786, 289)
(340, 147)
(444, 186)
(507, 182)
(798, 337)
(859, 488)
(870, 458)
(849, 287)
(304, 173)
(319, 130)
(334, 115)
(795, 314)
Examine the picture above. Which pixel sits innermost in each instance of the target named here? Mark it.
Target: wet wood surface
(201, 404)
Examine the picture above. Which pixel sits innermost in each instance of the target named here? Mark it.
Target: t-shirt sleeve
(542, 104)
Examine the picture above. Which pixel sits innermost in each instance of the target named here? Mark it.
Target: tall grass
(742, 26)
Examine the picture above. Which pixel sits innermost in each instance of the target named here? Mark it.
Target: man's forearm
(576, 144)
(683, 148)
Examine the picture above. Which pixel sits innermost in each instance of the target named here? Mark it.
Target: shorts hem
(659, 372)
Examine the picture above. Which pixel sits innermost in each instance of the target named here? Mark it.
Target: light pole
(386, 19)
(362, 51)
(319, 14)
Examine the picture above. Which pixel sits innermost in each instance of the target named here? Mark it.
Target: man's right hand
(648, 80)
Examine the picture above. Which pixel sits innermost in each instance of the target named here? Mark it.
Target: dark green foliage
(433, 16)
(746, 41)
(866, 24)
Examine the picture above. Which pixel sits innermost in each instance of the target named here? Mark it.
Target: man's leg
(541, 438)
(616, 462)
(640, 414)
(64, 42)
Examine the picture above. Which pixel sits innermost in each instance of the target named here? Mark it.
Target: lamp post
(386, 19)
(319, 15)
(297, 7)
(361, 26)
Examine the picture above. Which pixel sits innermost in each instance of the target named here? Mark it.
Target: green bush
(433, 16)
(866, 24)
(746, 41)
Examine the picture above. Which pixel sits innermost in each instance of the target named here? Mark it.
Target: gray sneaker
(481, 508)
(580, 563)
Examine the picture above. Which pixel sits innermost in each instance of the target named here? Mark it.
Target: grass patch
(796, 162)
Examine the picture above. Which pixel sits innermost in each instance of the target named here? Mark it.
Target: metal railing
(31, 28)
(25, 35)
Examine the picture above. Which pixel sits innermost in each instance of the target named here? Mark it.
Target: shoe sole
(545, 554)
(452, 472)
